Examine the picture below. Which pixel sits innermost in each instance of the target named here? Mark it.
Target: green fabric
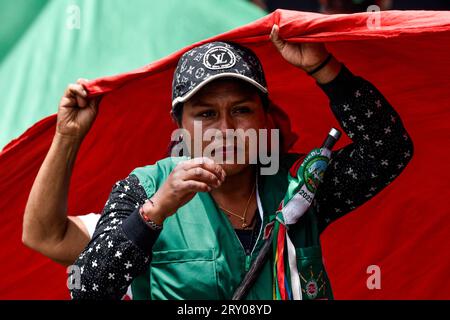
(115, 36)
(198, 254)
(16, 17)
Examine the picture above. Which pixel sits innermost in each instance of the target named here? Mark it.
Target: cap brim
(215, 77)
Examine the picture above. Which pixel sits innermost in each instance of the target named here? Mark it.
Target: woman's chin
(233, 169)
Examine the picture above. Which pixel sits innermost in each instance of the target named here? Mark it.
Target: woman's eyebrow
(201, 103)
(239, 101)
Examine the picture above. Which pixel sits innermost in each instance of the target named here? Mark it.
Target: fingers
(76, 89)
(77, 93)
(207, 164)
(276, 39)
(82, 81)
(202, 175)
(196, 186)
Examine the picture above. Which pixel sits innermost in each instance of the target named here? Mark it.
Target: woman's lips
(229, 149)
(225, 150)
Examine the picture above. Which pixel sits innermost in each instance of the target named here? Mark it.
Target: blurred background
(46, 44)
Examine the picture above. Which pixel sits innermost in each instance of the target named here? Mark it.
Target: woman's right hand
(186, 179)
(76, 113)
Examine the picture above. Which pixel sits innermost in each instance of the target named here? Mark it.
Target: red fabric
(404, 230)
(279, 119)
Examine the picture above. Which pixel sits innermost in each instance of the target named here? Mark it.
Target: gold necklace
(243, 217)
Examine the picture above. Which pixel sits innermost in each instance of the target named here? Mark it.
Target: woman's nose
(226, 123)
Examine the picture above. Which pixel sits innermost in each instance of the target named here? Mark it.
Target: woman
(190, 228)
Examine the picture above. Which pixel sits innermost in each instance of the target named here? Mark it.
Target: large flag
(402, 232)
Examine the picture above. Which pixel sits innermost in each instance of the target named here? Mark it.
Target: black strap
(323, 64)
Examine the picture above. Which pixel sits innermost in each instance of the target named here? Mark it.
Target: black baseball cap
(208, 62)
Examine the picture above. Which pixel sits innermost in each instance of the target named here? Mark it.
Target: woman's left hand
(306, 56)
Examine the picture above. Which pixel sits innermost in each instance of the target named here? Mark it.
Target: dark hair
(348, 6)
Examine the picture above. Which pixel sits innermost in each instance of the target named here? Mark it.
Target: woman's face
(220, 105)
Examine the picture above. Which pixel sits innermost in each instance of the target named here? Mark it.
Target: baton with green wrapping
(303, 179)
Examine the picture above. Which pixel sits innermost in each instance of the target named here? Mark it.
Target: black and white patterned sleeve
(380, 150)
(120, 249)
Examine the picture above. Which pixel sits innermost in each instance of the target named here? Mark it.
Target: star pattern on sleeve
(380, 148)
(105, 272)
